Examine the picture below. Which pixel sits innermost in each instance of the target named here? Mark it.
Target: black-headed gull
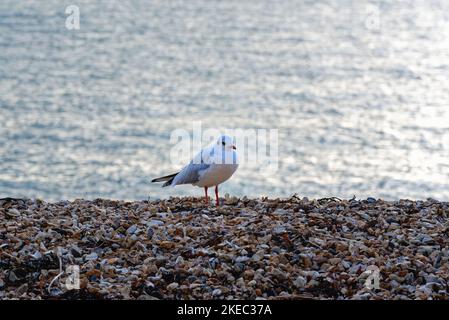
(209, 168)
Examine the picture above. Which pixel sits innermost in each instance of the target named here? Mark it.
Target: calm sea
(358, 90)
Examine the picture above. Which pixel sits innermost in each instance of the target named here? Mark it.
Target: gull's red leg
(206, 198)
(216, 195)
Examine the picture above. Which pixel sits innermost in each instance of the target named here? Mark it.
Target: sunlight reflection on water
(360, 111)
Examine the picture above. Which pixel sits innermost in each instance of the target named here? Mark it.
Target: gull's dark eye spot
(223, 143)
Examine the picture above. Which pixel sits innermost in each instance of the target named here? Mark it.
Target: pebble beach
(181, 248)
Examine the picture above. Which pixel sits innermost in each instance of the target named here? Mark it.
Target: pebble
(278, 274)
(132, 229)
(12, 277)
(22, 289)
(155, 223)
(252, 283)
(56, 292)
(241, 259)
(76, 252)
(91, 257)
(179, 260)
(217, 292)
(300, 282)
(425, 239)
(363, 296)
(279, 230)
(258, 256)
(36, 255)
(173, 286)
(13, 212)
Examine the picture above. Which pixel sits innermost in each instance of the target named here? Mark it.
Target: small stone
(179, 260)
(172, 286)
(22, 289)
(248, 274)
(300, 282)
(334, 261)
(36, 255)
(240, 282)
(423, 292)
(258, 256)
(363, 296)
(160, 261)
(425, 239)
(241, 259)
(231, 200)
(91, 257)
(146, 297)
(394, 284)
(150, 232)
(357, 268)
(76, 252)
(132, 229)
(56, 292)
(195, 285)
(364, 215)
(155, 223)
(216, 292)
(280, 275)
(239, 267)
(433, 279)
(12, 277)
(307, 262)
(280, 212)
(279, 230)
(409, 278)
(13, 212)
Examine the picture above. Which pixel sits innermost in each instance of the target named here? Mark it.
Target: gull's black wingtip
(165, 178)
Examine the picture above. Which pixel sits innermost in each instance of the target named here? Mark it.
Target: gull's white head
(226, 142)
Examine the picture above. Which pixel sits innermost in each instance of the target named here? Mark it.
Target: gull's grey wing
(190, 173)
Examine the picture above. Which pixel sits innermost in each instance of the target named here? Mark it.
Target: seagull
(209, 168)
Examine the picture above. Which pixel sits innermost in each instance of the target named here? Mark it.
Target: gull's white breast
(222, 167)
(216, 174)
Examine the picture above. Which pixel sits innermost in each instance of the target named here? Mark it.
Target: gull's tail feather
(168, 178)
